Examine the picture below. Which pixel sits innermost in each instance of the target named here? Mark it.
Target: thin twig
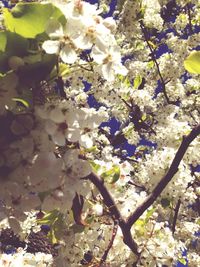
(176, 210)
(114, 232)
(163, 83)
(110, 203)
(190, 18)
(166, 178)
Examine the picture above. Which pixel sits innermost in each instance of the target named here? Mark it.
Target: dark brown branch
(110, 203)
(176, 210)
(167, 178)
(190, 18)
(114, 232)
(163, 83)
(108, 199)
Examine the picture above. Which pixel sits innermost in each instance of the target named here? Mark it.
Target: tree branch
(114, 232)
(166, 179)
(110, 203)
(176, 210)
(188, 7)
(163, 83)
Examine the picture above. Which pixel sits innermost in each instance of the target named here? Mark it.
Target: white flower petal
(83, 42)
(73, 135)
(57, 116)
(58, 138)
(120, 69)
(108, 72)
(51, 47)
(98, 55)
(68, 54)
(54, 29)
(50, 127)
(86, 141)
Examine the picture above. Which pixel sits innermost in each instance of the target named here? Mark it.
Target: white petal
(98, 55)
(108, 72)
(68, 54)
(73, 135)
(86, 141)
(120, 69)
(59, 139)
(57, 116)
(50, 127)
(83, 42)
(110, 23)
(54, 29)
(51, 47)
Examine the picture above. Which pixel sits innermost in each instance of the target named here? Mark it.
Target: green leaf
(192, 62)
(3, 41)
(63, 70)
(31, 74)
(31, 59)
(150, 64)
(57, 229)
(30, 19)
(183, 261)
(137, 81)
(56, 221)
(49, 217)
(111, 176)
(16, 45)
(95, 166)
(22, 101)
(149, 214)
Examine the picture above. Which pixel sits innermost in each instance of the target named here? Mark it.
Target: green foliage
(32, 74)
(137, 81)
(95, 166)
(111, 176)
(30, 19)
(61, 71)
(3, 41)
(183, 261)
(141, 223)
(192, 62)
(15, 45)
(22, 101)
(55, 220)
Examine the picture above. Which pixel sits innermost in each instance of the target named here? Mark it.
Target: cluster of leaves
(20, 46)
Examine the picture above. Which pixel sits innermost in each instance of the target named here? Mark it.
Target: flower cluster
(85, 30)
(87, 144)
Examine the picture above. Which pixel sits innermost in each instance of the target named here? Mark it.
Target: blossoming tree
(99, 133)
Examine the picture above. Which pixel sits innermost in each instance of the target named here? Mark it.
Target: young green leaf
(22, 101)
(137, 81)
(111, 176)
(3, 41)
(30, 19)
(192, 62)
